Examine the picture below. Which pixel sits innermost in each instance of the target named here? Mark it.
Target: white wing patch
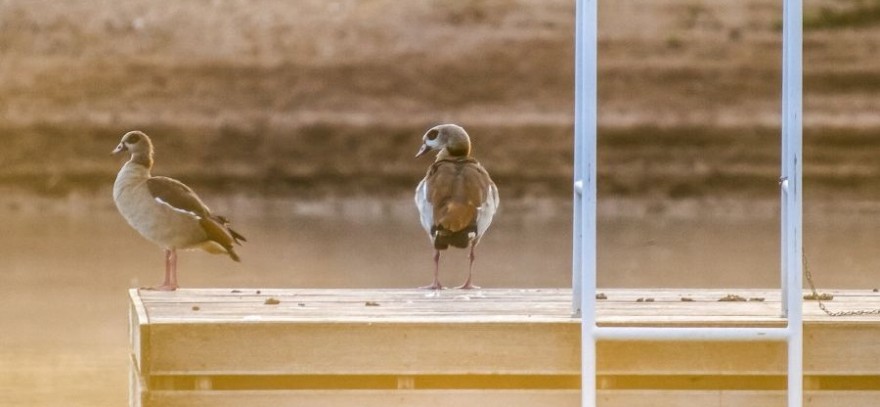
(161, 202)
(426, 210)
(486, 212)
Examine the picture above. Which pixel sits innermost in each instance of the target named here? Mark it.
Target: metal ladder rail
(584, 236)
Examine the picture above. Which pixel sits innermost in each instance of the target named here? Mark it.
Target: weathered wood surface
(504, 398)
(665, 307)
(518, 347)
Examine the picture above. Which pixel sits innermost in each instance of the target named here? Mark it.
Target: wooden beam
(503, 398)
(363, 348)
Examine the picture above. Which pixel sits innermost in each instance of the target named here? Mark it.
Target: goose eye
(432, 135)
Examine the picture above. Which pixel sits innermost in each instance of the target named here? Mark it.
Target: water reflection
(64, 272)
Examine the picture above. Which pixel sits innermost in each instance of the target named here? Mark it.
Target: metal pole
(691, 334)
(577, 232)
(586, 43)
(792, 192)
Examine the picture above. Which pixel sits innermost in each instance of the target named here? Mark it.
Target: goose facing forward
(457, 199)
(165, 211)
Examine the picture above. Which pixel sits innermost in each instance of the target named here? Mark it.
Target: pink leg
(436, 284)
(467, 284)
(170, 283)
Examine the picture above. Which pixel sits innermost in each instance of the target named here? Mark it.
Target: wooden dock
(486, 348)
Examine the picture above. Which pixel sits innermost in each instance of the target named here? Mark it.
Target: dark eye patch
(432, 134)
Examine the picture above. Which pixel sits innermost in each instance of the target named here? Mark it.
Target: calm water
(65, 269)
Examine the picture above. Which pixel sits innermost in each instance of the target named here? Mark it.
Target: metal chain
(818, 297)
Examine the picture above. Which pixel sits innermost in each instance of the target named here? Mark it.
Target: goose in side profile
(457, 199)
(165, 211)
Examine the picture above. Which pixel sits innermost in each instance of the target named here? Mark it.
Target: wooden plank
(357, 305)
(552, 305)
(139, 332)
(842, 349)
(503, 348)
(371, 382)
(364, 348)
(691, 358)
(504, 398)
(139, 329)
(732, 398)
(366, 398)
(137, 387)
(839, 349)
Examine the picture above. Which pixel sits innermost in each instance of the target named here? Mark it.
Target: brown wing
(178, 196)
(221, 234)
(182, 199)
(457, 188)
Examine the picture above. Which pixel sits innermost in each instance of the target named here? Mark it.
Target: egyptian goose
(457, 199)
(165, 211)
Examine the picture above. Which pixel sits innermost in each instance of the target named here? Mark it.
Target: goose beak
(423, 150)
(120, 148)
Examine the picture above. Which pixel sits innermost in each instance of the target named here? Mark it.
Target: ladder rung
(690, 334)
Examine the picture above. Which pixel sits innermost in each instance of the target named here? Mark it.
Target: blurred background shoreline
(330, 98)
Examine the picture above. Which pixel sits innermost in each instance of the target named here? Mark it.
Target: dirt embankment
(318, 97)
